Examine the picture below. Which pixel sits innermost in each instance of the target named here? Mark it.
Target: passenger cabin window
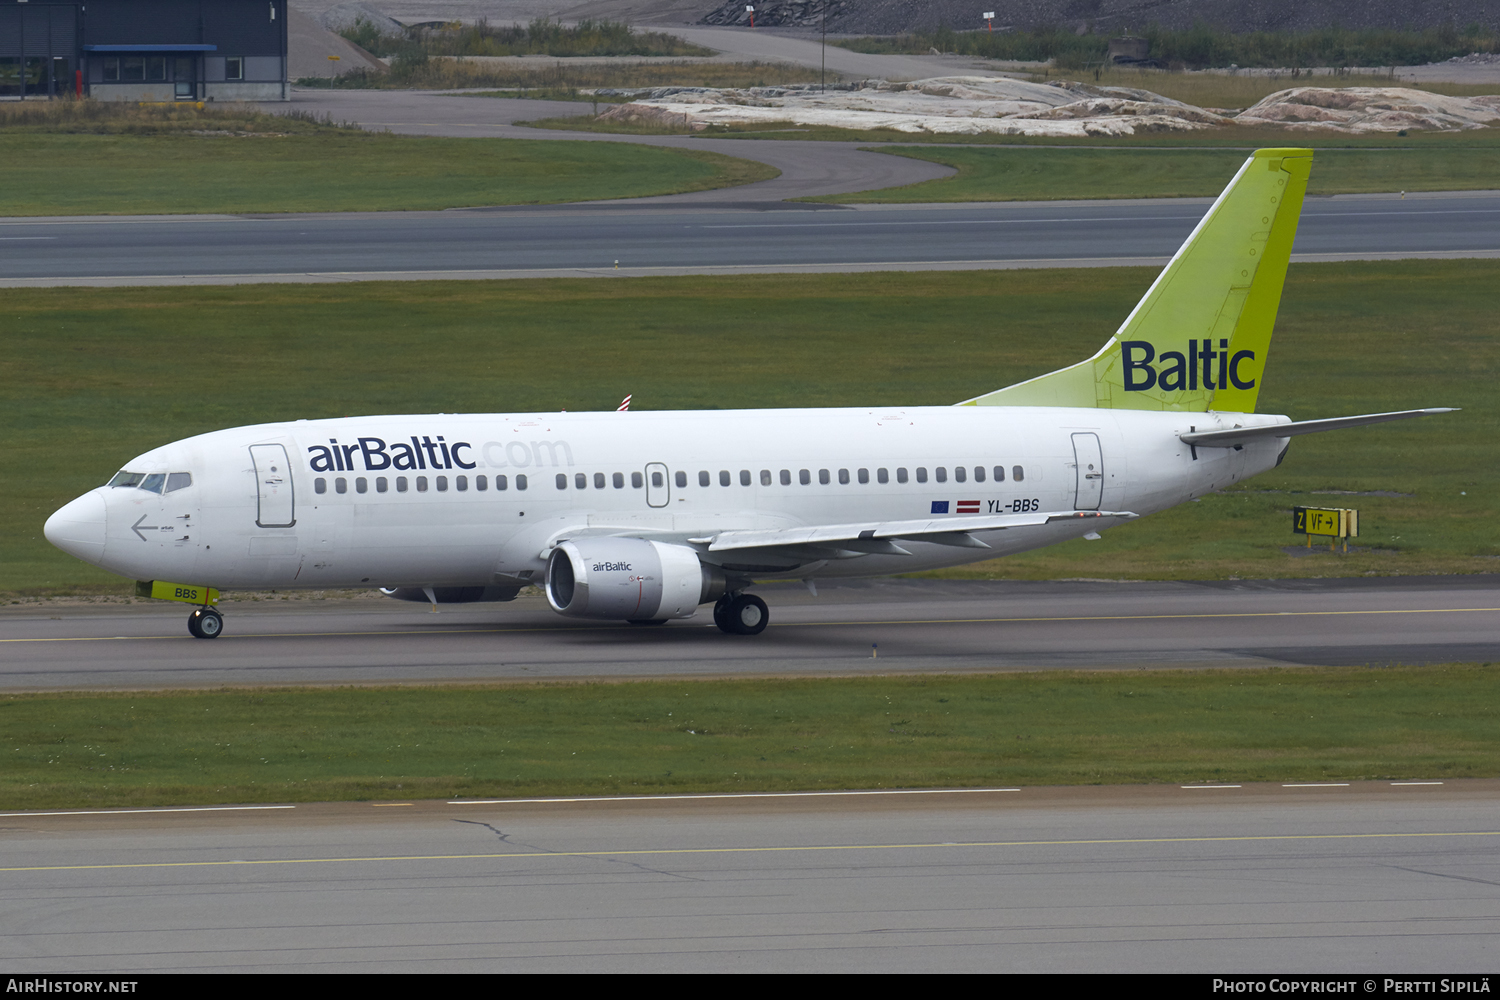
(960, 475)
(341, 485)
(461, 483)
(941, 474)
(999, 473)
(823, 477)
(320, 485)
(901, 475)
(598, 480)
(703, 479)
(400, 484)
(502, 483)
(804, 477)
(786, 477)
(765, 477)
(581, 480)
(723, 477)
(361, 485)
(481, 483)
(978, 473)
(562, 480)
(882, 476)
(657, 480)
(520, 483)
(382, 484)
(618, 480)
(921, 475)
(864, 476)
(744, 477)
(442, 484)
(638, 481)
(1017, 473)
(421, 484)
(681, 479)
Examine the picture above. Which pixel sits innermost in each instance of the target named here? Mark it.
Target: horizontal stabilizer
(1241, 435)
(866, 537)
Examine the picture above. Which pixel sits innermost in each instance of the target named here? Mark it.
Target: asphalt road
(666, 239)
(1375, 878)
(878, 626)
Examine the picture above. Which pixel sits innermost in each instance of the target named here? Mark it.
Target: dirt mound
(975, 104)
(963, 105)
(1370, 109)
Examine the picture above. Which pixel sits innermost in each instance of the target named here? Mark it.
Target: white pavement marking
(734, 795)
(604, 271)
(125, 812)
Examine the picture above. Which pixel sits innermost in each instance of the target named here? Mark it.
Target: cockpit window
(156, 482)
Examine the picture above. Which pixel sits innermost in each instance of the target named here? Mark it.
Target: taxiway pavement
(862, 627)
(659, 239)
(1370, 877)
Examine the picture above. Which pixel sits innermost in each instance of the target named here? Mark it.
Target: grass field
(1022, 174)
(96, 376)
(336, 171)
(1054, 728)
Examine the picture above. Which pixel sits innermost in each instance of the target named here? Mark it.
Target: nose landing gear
(205, 623)
(741, 614)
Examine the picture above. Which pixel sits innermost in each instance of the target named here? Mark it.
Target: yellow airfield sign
(1334, 522)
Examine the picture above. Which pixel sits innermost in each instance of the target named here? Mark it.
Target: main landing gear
(205, 623)
(741, 614)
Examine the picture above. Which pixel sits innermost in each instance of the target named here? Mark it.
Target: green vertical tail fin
(1198, 340)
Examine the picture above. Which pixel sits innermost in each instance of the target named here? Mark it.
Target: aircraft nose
(78, 528)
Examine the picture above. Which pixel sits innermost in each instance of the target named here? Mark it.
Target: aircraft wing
(1240, 435)
(881, 536)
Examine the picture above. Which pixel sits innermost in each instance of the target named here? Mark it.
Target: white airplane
(645, 516)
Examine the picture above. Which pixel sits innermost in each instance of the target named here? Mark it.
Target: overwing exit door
(1088, 459)
(658, 489)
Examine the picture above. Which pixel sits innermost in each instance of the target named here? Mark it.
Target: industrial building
(144, 50)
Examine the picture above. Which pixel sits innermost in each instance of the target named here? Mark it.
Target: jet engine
(629, 578)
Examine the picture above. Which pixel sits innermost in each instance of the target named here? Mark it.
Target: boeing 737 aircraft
(645, 516)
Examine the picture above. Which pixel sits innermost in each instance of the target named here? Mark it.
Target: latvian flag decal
(968, 506)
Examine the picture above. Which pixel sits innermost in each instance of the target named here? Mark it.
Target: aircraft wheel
(205, 623)
(743, 614)
(645, 621)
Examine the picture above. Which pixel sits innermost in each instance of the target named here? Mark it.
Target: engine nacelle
(629, 578)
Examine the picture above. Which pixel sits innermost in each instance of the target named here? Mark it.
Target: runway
(1370, 878)
(865, 627)
(583, 240)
